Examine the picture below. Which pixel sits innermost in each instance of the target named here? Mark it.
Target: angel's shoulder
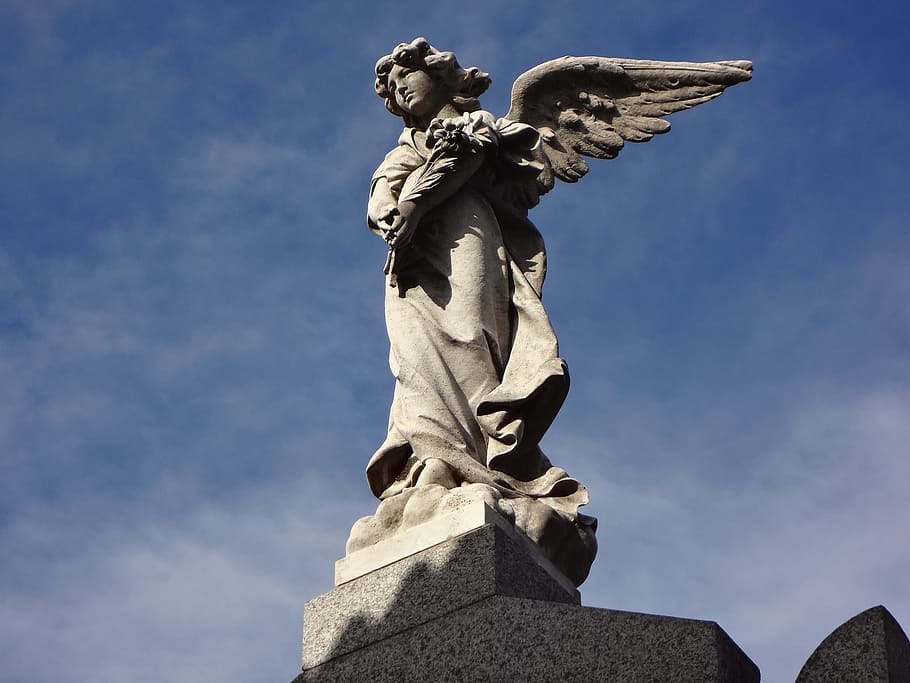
(400, 162)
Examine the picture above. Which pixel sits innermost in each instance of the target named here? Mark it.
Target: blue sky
(193, 360)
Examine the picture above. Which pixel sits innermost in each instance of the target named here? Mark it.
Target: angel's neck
(447, 111)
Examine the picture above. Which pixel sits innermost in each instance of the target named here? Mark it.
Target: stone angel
(478, 376)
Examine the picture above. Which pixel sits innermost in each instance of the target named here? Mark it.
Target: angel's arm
(406, 185)
(417, 202)
(386, 186)
(382, 206)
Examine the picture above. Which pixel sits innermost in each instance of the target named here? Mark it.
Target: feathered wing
(590, 106)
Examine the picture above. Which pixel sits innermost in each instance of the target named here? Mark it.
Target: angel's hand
(386, 221)
(383, 216)
(400, 232)
(382, 207)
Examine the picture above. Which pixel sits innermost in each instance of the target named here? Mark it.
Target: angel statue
(478, 376)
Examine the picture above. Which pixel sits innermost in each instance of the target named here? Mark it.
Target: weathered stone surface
(478, 376)
(486, 562)
(514, 639)
(466, 514)
(869, 648)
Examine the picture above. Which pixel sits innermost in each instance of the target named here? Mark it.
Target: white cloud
(148, 591)
(780, 543)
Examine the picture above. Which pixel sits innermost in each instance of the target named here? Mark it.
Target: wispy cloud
(206, 589)
(194, 363)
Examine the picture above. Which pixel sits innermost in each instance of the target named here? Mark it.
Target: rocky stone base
(501, 638)
(468, 597)
(480, 607)
(565, 537)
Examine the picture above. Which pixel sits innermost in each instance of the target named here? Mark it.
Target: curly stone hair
(465, 85)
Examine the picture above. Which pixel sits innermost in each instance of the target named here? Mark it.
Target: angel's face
(415, 91)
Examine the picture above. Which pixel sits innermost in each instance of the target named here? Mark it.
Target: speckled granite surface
(480, 608)
(423, 587)
(869, 648)
(502, 638)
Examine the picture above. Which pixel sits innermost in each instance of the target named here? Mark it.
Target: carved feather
(591, 106)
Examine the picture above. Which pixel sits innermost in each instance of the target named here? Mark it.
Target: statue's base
(481, 607)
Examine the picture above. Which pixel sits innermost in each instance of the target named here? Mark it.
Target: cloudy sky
(193, 359)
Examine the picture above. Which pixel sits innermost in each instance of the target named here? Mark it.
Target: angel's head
(417, 81)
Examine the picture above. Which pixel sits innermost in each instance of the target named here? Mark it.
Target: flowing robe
(478, 374)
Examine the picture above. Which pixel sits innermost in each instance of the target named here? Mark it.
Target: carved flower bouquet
(451, 140)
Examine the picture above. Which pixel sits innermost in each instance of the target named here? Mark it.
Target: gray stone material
(425, 586)
(869, 648)
(478, 376)
(514, 639)
(472, 513)
(480, 607)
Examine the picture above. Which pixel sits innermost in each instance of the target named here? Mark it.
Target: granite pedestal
(480, 607)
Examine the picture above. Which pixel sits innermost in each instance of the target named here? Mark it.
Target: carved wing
(591, 105)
